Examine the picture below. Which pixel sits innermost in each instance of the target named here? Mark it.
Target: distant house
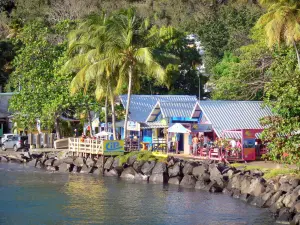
(219, 116)
(5, 122)
(142, 105)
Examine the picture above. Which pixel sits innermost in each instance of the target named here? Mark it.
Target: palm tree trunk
(113, 115)
(89, 119)
(56, 124)
(106, 113)
(297, 53)
(128, 101)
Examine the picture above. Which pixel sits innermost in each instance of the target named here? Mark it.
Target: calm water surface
(32, 196)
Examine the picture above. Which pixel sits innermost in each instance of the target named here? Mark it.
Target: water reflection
(32, 197)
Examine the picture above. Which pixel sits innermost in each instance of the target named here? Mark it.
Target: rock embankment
(281, 195)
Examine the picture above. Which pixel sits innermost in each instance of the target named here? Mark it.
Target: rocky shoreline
(281, 194)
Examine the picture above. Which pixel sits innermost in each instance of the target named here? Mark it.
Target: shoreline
(281, 194)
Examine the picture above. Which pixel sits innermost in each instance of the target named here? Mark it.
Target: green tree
(282, 95)
(42, 92)
(129, 51)
(281, 23)
(87, 46)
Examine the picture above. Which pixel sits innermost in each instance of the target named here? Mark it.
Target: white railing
(87, 146)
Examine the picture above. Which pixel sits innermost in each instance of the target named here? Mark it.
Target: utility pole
(199, 86)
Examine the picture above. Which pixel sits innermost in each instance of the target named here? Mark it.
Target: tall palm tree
(282, 22)
(87, 45)
(129, 51)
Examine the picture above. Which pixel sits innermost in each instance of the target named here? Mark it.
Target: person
(75, 133)
(195, 145)
(233, 143)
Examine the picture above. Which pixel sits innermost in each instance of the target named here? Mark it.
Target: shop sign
(133, 126)
(113, 147)
(201, 127)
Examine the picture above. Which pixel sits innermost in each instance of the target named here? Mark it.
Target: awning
(178, 128)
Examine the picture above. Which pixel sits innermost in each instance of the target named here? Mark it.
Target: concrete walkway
(263, 164)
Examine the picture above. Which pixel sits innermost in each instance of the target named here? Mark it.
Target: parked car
(6, 136)
(15, 142)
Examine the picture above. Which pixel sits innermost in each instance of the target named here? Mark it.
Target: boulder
(131, 160)
(97, 171)
(235, 182)
(244, 197)
(64, 167)
(297, 207)
(284, 216)
(227, 192)
(286, 187)
(108, 163)
(116, 162)
(68, 160)
(296, 219)
(283, 179)
(236, 193)
(229, 173)
(199, 171)
(147, 167)
(215, 187)
(78, 162)
(188, 168)
(273, 185)
(90, 162)
(128, 173)
(111, 173)
(85, 169)
(100, 161)
(188, 181)
(294, 182)
(158, 178)
(137, 166)
(256, 173)
(141, 177)
(175, 180)
(257, 187)
(171, 161)
(202, 185)
(245, 185)
(215, 175)
(274, 198)
(260, 201)
(277, 205)
(159, 168)
(58, 162)
(48, 162)
(50, 168)
(4, 159)
(174, 170)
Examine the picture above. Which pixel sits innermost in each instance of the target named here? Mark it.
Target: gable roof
(234, 115)
(171, 109)
(141, 105)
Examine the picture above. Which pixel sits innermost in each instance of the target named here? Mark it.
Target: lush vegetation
(96, 50)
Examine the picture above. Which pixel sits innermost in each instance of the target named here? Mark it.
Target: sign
(196, 127)
(113, 147)
(249, 144)
(133, 126)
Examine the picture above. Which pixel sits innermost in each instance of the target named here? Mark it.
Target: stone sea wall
(281, 195)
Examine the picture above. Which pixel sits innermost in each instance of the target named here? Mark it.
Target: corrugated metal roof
(177, 109)
(233, 115)
(141, 105)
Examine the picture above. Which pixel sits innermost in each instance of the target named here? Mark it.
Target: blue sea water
(33, 196)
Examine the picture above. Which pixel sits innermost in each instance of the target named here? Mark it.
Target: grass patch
(276, 172)
(268, 173)
(142, 156)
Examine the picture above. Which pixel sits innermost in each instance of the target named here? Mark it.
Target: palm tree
(87, 44)
(128, 51)
(282, 22)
